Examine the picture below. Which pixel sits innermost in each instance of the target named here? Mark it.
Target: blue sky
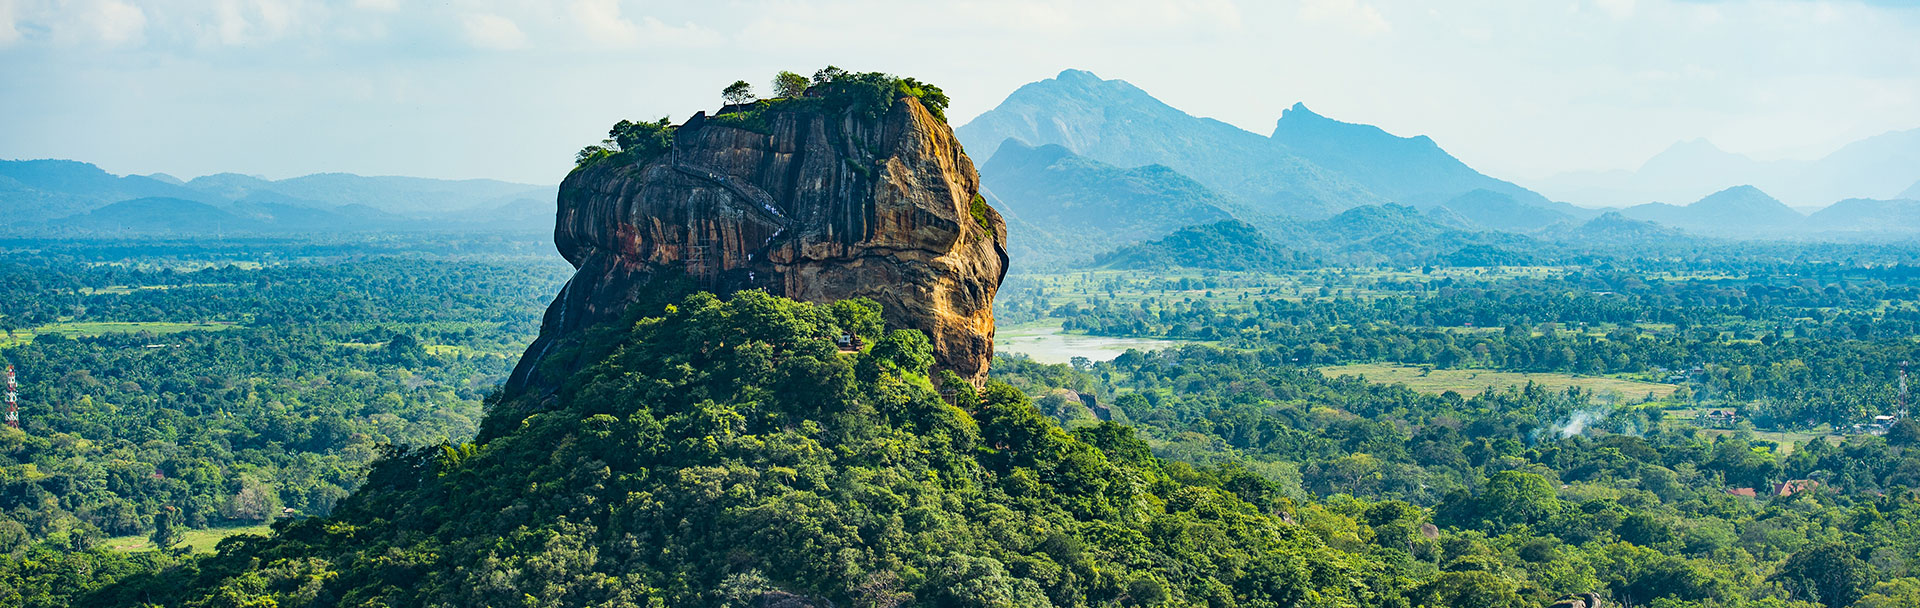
(509, 89)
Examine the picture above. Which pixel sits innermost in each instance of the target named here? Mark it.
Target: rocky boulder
(797, 199)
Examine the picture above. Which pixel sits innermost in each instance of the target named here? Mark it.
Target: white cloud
(77, 23)
(603, 23)
(8, 34)
(1358, 16)
(117, 23)
(490, 31)
(822, 25)
(1512, 87)
(1618, 9)
(238, 22)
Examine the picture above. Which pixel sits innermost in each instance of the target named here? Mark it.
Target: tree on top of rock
(789, 84)
(738, 93)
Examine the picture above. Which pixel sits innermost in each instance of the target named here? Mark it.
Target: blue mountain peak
(1071, 74)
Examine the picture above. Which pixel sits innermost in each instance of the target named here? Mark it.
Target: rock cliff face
(811, 205)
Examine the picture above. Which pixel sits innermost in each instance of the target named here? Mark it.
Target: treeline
(325, 363)
(35, 292)
(725, 453)
(1624, 506)
(1795, 355)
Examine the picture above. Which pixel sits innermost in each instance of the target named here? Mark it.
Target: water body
(1048, 344)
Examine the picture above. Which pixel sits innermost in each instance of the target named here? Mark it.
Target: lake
(1046, 343)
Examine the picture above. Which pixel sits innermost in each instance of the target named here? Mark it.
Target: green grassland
(70, 330)
(199, 541)
(1785, 440)
(1476, 381)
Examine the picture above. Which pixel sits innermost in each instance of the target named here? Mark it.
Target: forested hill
(1227, 245)
(726, 453)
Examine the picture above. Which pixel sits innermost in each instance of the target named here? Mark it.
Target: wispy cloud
(1353, 15)
(1619, 9)
(603, 23)
(238, 22)
(490, 31)
(1519, 89)
(109, 23)
(9, 35)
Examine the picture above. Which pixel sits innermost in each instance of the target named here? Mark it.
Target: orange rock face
(818, 207)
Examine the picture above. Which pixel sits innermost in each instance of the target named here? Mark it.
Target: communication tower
(13, 400)
(1903, 390)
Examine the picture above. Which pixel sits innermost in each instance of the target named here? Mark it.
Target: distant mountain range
(1116, 123)
(1736, 211)
(1880, 167)
(1491, 210)
(156, 215)
(1072, 206)
(1084, 164)
(1397, 234)
(1412, 171)
(1615, 231)
(1746, 212)
(1310, 167)
(1868, 217)
(68, 197)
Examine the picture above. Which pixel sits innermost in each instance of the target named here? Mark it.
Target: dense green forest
(1639, 510)
(1797, 345)
(233, 393)
(725, 453)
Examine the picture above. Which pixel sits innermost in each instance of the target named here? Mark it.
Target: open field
(1475, 381)
(1786, 441)
(202, 541)
(158, 328)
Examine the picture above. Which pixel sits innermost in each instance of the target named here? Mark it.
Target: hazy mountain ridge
(1061, 194)
(1484, 208)
(1114, 122)
(1310, 167)
(1868, 216)
(405, 195)
(39, 190)
(1266, 180)
(66, 195)
(1736, 211)
(1877, 167)
(1409, 170)
(151, 216)
(1394, 233)
(1747, 212)
(1617, 228)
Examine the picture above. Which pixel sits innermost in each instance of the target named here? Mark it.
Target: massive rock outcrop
(809, 203)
